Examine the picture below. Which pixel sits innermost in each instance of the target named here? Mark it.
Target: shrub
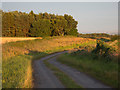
(114, 37)
(101, 50)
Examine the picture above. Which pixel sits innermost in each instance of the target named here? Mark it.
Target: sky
(92, 17)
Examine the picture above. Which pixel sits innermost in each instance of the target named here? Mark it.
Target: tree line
(21, 24)
(94, 35)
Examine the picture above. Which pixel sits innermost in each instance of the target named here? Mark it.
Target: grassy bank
(65, 79)
(99, 69)
(17, 57)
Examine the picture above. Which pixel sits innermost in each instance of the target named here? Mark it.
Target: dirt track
(44, 78)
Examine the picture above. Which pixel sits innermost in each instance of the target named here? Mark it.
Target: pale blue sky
(92, 17)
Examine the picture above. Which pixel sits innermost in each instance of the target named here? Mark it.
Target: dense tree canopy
(40, 28)
(21, 24)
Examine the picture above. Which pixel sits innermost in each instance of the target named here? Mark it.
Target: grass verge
(14, 71)
(65, 79)
(28, 77)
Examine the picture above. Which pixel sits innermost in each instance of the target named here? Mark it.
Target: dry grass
(28, 78)
(115, 46)
(14, 39)
(103, 38)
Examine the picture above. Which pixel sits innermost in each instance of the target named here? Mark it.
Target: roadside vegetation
(100, 62)
(65, 79)
(17, 57)
(14, 71)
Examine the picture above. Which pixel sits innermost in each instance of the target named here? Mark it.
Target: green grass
(65, 79)
(99, 69)
(14, 71)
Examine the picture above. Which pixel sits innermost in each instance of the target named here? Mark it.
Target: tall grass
(17, 57)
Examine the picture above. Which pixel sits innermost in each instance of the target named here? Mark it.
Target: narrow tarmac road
(44, 77)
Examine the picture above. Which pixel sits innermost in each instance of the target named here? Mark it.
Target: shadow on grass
(105, 40)
(36, 54)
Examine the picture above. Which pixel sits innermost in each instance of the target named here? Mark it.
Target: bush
(114, 37)
(101, 50)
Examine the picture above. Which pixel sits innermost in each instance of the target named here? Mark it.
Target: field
(17, 57)
(14, 39)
